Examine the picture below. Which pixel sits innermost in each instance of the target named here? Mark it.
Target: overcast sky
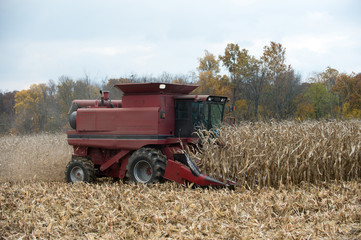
(44, 39)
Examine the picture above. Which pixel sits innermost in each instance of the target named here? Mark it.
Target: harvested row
(290, 152)
(48, 210)
(36, 157)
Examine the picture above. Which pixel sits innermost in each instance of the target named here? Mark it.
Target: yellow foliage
(263, 112)
(179, 81)
(213, 85)
(208, 79)
(349, 112)
(29, 105)
(241, 108)
(305, 111)
(28, 98)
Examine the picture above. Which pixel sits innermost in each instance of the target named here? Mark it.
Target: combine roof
(155, 88)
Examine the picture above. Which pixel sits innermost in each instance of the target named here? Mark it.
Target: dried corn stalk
(57, 210)
(289, 152)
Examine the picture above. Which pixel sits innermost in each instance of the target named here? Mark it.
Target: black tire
(147, 165)
(80, 170)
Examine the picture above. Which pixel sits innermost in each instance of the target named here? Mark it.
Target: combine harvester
(143, 135)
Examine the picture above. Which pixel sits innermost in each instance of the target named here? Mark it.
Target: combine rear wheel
(80, 170)
(147, 165)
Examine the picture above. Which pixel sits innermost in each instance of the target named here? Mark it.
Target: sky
(42, 40)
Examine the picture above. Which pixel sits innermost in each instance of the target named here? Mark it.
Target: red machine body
(152, 121)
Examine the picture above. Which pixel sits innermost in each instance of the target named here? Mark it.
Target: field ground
(106, 210)
(313, 160)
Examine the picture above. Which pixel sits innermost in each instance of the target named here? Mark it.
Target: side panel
(121, 120)
(140, 101)
(166, 106)
(131, 142)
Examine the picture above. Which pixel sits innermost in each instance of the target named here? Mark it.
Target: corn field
(276, 153)
(252, 154)
(105, 210)
(34, 157)
(295, 181)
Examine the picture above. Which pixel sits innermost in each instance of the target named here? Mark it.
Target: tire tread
(88, 165)
(157, 159)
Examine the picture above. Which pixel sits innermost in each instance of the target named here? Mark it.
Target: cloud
(318, 16)
(112, 49)
(44, 39)
(317, 44)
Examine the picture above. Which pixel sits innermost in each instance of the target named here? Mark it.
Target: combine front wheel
(80, 170)
(147, 165)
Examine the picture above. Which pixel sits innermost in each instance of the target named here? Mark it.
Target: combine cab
(143, 135)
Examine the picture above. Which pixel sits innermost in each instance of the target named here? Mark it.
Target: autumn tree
(327, 77)
(209, 63)
(348, 88)
(114, 92)
(274, 60)
(65, 93)
(321, 100)
(7, 112)
(253, 85)
(287, 88)
(54, 121)
(209, 80)
(179, 81)
(235, 61)
(68, 90)
(31, 109)
(84, 89)
(304, 107)
(166, 77)
(283, 82)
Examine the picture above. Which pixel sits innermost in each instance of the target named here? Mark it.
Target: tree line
(259, 89)
(267, 88)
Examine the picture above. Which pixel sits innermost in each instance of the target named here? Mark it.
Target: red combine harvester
(141, 136)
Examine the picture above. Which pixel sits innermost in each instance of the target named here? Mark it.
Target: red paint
(113, 160)
(179, 173)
